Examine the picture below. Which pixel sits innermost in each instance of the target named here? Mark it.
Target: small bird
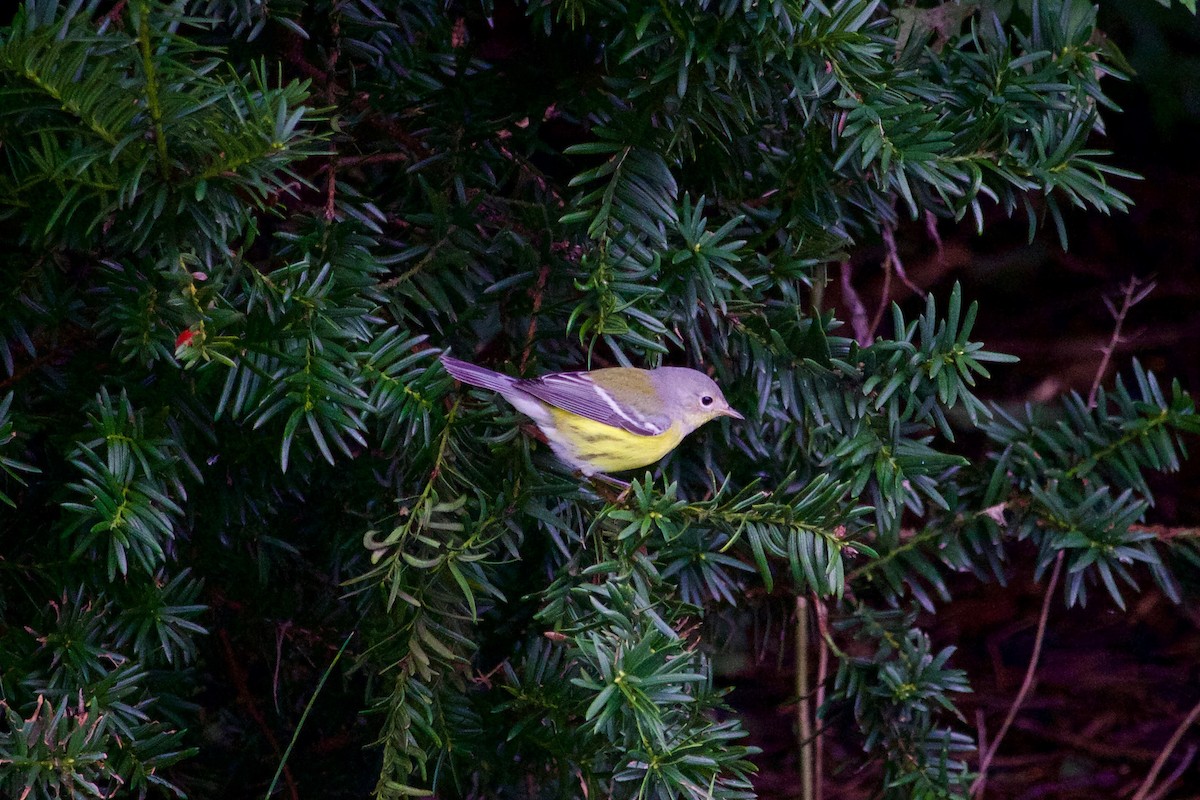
(607, 420)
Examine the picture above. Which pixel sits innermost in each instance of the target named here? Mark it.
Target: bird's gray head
(692, 396)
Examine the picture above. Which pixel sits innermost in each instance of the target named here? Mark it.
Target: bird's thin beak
(729, 412)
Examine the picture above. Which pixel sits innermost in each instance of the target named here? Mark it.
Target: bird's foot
(610, 489)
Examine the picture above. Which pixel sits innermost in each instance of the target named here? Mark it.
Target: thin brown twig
(425, 261)
(803, 700)
(1188, 721)
(858, 312)
(893, 253)
(293, 51)
(931, 223)
(820, 280)
(1133, 292)
(72, 341)
(817, 733)
(392, 129)
(1165, 533)
(539, 290)
(981, 732)
(822, 678)
(365, 159)
(885, 299)
(893, 265)
(281, 633)
(985, 759)
(331, 192)
(1180, 768)
(331, 99)
(19, 372)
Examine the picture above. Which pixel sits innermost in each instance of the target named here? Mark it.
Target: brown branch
(1165, 534)
(885, 299)
(72, 338)
(981, 731)
(931, 229)
(893, 253)
(1134, 292)
(21, 371)
(1180, 768)
(893, 264)
(803, 700)
(281, 633)
(330, 191)
(392, 129)
(858, 312)
(539, 290)
(1161, 761)
(369, 158)
(822, 679)
(331, 99)
(293, 52)
(985, 759)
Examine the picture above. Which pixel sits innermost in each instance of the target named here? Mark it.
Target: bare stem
(1180, 768)
(986, 757)
(858, 312)
(1133, 292)
(538, 291)
(331, 98)
(1161, 761)
(885, 298)
(822, 679)
(893, 265)
(893, 254)
(819, 280)
(931, 228)
(803, 700)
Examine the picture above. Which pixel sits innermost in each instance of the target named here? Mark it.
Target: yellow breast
(592, 446)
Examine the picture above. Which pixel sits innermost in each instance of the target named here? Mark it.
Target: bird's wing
(577, 393)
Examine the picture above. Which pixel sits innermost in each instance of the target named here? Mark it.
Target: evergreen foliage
(236, 235)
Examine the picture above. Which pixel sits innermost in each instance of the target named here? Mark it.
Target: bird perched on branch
(607, 420)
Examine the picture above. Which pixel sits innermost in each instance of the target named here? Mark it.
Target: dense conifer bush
(235, 236)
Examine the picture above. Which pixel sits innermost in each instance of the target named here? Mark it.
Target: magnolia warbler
(607, 420)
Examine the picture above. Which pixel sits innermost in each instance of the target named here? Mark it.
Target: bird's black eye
(706, 401)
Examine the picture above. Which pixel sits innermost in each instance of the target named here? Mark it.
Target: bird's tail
(477, 376)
